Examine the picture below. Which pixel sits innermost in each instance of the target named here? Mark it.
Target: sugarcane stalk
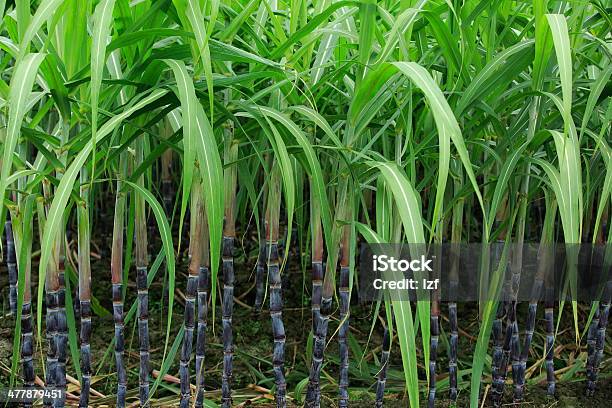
(61, 321)
(229, 235)
(453, 343)
(598, 337)
(317, 264)
(24, 237)
(313, 392)
(511, 349)
(116, 268)
(195, 254)
(140, 255)
(433, 351)
(51, 288)
(203, 284)
(344, 299)
(498, 352)
(55, 375)
(549, 349)
(497, 326)
(84, 264)
(591, 339)
(454, 327)
(11, 264)
(544, 268)
(60, 258)
(275, 286)
(597, 329)
(455, 253)
(434, 324)
(384, 364)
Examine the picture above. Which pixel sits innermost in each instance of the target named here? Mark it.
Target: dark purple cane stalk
(501, 339)
(313, 392)
(455, 253)
(11, 264)
(433, 353)
(545, 260)
(550, 343)
(27, 336)
(143, 333)
(116, 268)
(434, 328)
(317, 264)
(511, 349)
(453, 343)
(275, 288)
(520, 368)
(84, 263)
(519, 379)
(51, 334)
(382, 374)
(511, 331)
(195, 254)
(27, 345)
(454, 327)
(61, 338)
(229, 234)
(344, 298)
(203, 278)
(592, 334)
(85, 336)
(599, 339)
(190, 294)
(143, 300)
(203, 282)
(497, 332)
(227, 310)
(515, 349)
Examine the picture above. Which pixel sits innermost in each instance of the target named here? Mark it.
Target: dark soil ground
(253, 379)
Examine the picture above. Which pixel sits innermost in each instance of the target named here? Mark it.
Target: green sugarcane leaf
(102, 19)
(43, 13)
(597, 88)
(488, 77)
(501, 185)
(560, 35)
(21, 86)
